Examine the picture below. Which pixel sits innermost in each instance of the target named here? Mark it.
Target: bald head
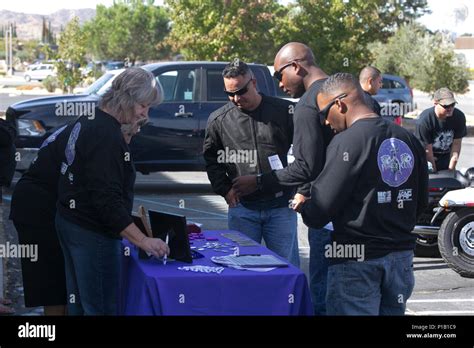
(295, 51)
(368, 72)
(370, 79)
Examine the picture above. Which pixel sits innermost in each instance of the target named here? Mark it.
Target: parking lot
(438, 289)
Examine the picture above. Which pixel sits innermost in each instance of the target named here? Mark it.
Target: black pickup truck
(171, 141)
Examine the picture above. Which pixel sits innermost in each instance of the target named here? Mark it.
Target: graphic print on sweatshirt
(395, 161)
(52, 137)
(70, 151)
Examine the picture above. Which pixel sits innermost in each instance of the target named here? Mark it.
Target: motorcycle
(448, 222)
(439, 184)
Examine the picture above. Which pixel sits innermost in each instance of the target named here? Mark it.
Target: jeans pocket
(360, 280)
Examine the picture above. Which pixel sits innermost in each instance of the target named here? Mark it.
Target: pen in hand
(165, 258)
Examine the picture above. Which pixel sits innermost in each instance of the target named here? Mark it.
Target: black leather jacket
(240, 143)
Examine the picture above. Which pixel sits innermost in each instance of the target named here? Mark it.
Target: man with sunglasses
(373, 186)
(441, 129)
(251, 135)
(300, 77)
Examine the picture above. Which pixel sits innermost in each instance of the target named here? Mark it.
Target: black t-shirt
(35, 194)
(310, 140)
(97, 175)
(440, 133)
(373, 186)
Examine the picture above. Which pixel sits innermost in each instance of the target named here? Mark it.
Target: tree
(427, 60)
(128, 29)
(71, 53)
(222, 30)
(339, 31)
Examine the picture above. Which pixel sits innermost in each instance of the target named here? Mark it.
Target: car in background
(39, 72)
(395, 97)
(114, 65)
(173, 138)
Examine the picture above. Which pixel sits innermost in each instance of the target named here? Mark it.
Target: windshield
(100, 86)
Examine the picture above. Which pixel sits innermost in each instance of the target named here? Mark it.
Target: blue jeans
(92, 264)
(373, 287)
(318, 267)
(277, 226)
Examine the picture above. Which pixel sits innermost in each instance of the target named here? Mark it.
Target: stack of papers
(249, 261)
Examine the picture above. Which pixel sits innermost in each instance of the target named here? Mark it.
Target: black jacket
(7, 152)
(259, 134)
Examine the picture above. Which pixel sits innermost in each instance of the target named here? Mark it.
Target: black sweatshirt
(310, 140)
(373, 187)
(97, 176)
(35, 195)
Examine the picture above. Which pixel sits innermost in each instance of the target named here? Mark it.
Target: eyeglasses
(278, 74)
(324, 113)
(241, 91)
(448, 106)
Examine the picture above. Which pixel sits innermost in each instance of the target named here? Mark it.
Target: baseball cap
(444, 96)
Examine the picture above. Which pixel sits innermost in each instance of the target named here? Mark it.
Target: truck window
(178, 85)
(215, 86)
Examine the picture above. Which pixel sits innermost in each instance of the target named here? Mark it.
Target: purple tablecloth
(150, 288)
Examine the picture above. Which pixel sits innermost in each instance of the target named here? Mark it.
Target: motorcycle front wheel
(456, 241)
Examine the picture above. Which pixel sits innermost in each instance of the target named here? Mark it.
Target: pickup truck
(171, 141)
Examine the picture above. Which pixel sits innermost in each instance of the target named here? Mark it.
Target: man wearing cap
(441, 129)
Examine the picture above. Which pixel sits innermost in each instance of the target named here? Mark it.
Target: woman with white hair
(95, 194)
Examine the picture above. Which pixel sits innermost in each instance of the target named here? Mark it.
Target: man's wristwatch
(259, 182)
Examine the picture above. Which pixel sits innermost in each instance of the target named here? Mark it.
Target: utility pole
(9, 49)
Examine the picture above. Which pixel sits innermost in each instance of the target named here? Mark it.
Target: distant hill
(28, 26)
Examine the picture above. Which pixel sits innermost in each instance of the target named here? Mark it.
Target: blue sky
(443, 16)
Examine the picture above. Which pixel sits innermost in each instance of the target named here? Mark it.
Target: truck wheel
(427, 246)
(27, 78)
(456, 241)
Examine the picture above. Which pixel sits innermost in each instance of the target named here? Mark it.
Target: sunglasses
(241, 91)
(324, 113)
(448, 106)
(278, 74)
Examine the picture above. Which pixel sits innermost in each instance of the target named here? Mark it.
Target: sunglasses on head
(278, 73)
(448, 106)
(241, 91)
(324, 113)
